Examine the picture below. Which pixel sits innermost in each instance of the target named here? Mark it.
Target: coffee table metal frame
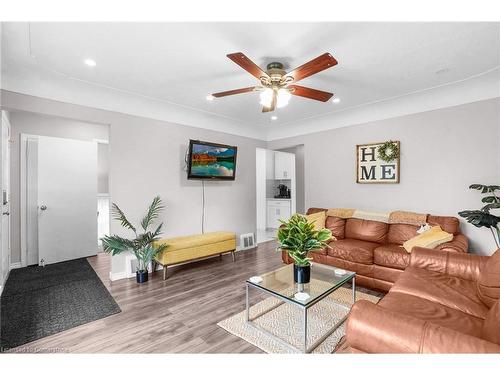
(304, 307)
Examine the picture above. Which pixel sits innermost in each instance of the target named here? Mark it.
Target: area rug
(285, 321)
(41, 301)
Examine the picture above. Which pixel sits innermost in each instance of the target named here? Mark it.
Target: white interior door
(67, 199)
(4, 198)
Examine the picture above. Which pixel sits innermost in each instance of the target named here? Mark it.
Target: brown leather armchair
(442, 303)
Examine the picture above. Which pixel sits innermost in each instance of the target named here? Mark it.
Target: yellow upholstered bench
(183, 249)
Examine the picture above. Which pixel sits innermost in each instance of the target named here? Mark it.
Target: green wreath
(388, 151)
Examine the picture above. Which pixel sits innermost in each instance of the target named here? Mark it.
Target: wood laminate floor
(178, 315)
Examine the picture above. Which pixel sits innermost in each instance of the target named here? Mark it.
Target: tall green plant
(297, 237)
(142, 244)
(483, 217)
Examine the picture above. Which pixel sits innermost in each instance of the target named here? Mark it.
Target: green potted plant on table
(483, 217)
(142, 244)
(297, 237)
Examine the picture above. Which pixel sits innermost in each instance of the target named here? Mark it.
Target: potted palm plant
(142, 244)
(298, 237)
(483, 217)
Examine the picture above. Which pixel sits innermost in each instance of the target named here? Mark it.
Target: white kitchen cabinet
(284, 165)
(276, 210)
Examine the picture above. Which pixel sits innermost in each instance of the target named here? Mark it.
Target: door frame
(23, 194)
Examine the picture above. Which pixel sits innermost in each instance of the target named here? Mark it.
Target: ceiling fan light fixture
(276, 86)
(210, 98)
(283, 98)
(266, 97)
(336, 100)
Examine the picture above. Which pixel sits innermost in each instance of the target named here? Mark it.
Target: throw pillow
(318, 219)
(429, 239)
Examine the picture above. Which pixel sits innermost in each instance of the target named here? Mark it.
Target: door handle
(43, 207)
(6, 213)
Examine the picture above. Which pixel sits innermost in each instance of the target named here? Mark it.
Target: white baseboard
(238, 248)
(117, 276)
(15, 265)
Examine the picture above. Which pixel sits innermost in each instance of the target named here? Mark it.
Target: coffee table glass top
(324, 279)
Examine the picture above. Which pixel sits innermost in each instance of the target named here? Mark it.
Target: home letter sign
(373, 170)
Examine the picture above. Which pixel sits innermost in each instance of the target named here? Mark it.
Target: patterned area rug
(285, 321)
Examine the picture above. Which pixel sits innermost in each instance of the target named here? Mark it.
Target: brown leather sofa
(373, 249)
(443, 302)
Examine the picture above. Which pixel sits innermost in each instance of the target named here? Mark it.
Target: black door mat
(41, 301)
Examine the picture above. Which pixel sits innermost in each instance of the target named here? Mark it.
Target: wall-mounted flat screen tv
(211, 161)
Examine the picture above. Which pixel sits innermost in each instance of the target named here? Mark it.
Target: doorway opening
(275, 191)
(103, 196)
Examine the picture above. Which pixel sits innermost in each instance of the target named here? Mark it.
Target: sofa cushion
(366, 230)
(390, 255)
(433, 312)
(353, 250)
(488, 284)
(449, 224)
(399, 233)
(456, 293)
(491, 326)
(336, 225)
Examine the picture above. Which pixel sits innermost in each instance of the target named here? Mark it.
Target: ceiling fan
(277, 86)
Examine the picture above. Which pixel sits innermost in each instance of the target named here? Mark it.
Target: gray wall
(35, 124)
(442, 153)
(146, 158)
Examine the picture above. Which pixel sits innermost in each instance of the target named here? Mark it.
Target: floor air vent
(247, 241)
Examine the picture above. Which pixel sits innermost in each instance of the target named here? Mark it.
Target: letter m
(367, 175)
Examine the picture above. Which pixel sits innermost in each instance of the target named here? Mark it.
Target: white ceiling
(180, 63)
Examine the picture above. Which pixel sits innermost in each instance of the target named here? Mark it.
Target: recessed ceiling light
(274, 118)
(210, 98)
(336, 100)
(89, 62)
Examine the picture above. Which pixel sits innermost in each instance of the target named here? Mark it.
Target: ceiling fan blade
(307, 92)
(273, 104)
(234, 92)
(314, 66)
(247, 64)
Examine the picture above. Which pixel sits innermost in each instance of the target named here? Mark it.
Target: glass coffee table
(280, 284)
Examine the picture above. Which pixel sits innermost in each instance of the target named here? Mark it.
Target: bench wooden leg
(232, 252)
(220, 256)
(164, 272)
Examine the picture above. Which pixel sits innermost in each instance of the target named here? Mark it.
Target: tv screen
(211, 161)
